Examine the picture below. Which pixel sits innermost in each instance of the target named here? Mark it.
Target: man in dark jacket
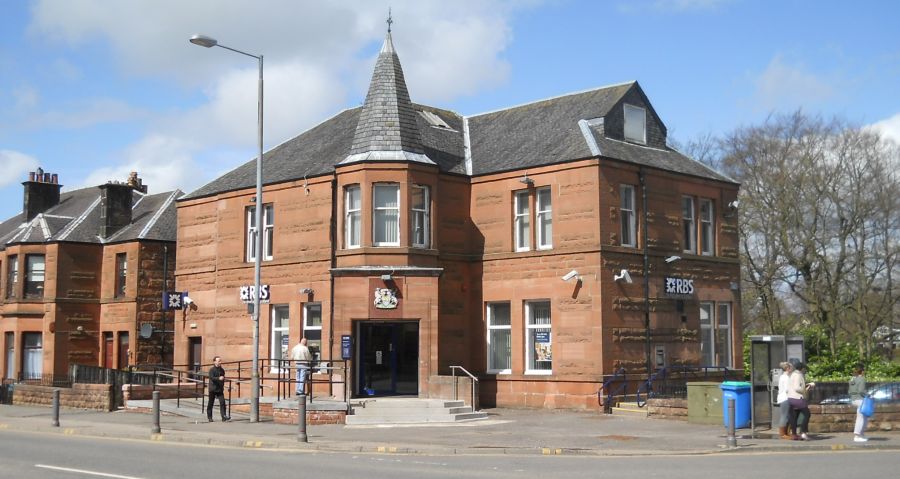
(216, 389)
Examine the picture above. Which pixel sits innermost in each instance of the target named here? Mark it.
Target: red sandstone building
(514, 243)
(82, 272)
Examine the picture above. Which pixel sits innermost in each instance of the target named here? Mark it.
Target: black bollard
(301, 418)
(730, 439)
(55, 422)
(155, 429)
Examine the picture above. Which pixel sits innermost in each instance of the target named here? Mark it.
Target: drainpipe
(646, 269)
(334, 241)
(162, 348)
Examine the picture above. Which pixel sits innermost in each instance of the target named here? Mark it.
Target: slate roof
(389, 127)
(77, 219)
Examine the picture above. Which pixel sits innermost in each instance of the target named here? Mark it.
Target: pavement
(506, 431)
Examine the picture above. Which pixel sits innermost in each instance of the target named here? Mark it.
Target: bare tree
(819, 224)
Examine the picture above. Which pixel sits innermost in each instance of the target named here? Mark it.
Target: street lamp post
(208, 42)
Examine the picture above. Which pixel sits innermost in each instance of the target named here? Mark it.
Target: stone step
(627, 411)
(411, 411)
(630, 405)
(406, 403)
(355, 420)
(422, 412)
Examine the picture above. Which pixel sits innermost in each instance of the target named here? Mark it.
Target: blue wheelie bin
(740, 392)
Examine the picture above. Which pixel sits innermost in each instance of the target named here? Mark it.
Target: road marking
(82, 471)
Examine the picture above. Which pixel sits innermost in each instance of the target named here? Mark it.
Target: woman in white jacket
(797, 391)
(784, 382)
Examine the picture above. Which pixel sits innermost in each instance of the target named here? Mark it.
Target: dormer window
(635, 124)
(433, 120)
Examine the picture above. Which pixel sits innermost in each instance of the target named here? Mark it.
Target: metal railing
(38, 379)
(456, 384)
(671, 381)
(610, 391)
(278, 376)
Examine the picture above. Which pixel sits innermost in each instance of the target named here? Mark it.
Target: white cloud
(85, 113)
(888, 128)
(14, 166)
(785, 87)
(163, 163)
(296, 96)
(317, 56)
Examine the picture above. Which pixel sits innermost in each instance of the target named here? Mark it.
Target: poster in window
(542, 346)
(285, 342)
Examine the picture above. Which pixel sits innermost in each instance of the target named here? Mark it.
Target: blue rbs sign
(679, 286)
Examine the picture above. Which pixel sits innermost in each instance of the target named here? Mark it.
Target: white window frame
(35, 273)
(32, 356)
(268, 221)
(316, 350)
(530, 328)
(352, 217)
(282, 312)
(707, 227)
(121, 282)
(543, 205)
(635, 116)
(10, 347)
(384, 211)
(707, 358)
(522, 222)
(12, 275)
(724, 335)
(492, 327)
(627, 214)
(421, 217)
(689, 225)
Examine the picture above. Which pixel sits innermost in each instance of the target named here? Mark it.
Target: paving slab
(506, 431)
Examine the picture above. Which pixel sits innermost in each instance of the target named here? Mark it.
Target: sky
(93, 89)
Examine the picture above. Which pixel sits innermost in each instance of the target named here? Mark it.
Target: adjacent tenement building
(83, 270)
(540, 247)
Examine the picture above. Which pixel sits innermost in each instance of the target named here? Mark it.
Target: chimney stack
(115, 207)
(135, 182)
(41, 193)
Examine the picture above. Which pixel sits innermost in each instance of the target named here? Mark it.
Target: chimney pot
(54, 178)
(31, 176)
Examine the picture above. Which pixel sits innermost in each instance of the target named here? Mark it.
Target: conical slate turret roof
(387, 128)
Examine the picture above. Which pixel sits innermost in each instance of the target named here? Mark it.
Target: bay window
(386, 215)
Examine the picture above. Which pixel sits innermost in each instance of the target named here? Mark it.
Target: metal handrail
(607, 405)
(456, 387)
(662, 373)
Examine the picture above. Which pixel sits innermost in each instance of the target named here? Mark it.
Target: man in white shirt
(300, 353)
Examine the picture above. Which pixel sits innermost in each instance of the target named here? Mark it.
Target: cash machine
(766, 353)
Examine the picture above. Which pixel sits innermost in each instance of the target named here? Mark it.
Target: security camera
(188, 300)
(623, 275)
(734, 204)
(570, 275)
(672, 259)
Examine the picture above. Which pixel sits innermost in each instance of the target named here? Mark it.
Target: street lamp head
(204, 41)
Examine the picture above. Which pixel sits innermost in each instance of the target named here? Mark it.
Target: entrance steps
(629, 409)
(410, 411)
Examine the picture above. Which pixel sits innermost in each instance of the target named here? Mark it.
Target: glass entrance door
(388, 358)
